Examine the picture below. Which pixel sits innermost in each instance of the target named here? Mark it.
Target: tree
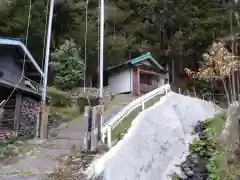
(171, 30)
(218, 64)
(69, 66)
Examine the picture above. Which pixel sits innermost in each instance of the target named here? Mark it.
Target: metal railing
(218, 99)
(113, 122)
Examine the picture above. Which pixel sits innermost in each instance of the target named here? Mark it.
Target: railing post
(179, 90)
(165, 90)
(103, 137)
(195, 94)
(109, 136)
(87, 134)
(143, 105)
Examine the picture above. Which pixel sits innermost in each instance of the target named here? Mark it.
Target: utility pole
(43, 114)
(233, 97)
(101, 59)
(101, 47)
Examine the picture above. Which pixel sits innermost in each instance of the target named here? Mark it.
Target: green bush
(58, 97)
(69, 66)
(85, 101)
(213, 151)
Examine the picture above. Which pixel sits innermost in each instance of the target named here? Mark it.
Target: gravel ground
(156, 142)
(34, 165)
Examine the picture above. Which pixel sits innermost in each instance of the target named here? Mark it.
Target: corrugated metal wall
(11, 71)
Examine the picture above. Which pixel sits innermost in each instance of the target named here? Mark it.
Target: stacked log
(28, 117)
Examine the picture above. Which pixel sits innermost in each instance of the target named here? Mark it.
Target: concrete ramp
(156, 142)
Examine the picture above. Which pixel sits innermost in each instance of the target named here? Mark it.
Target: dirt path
(44, 158)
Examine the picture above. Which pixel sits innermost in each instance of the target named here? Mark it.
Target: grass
(13, 149)
(2, 147)
(220, 161)
(224, 163)
(72, 112)
(126, 122)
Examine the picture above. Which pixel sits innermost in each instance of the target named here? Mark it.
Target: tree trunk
(226, 91)
(173, 72)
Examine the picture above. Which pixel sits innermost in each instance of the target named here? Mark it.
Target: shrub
(58, 97)
(69, 66)
(85, 101)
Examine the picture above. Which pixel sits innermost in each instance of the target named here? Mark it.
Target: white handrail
(113, 122)
(1, 103)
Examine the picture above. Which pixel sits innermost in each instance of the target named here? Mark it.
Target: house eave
(11, 42)
(137, 60)
(10, 84)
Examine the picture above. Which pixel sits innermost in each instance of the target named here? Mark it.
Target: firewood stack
(28, 117)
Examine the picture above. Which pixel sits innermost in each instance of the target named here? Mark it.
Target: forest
(173, 31)
(182, 35)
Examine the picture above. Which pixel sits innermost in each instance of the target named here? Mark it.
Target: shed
(19, 87)
(139, 75)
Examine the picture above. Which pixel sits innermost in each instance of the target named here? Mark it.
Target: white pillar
(109, 136)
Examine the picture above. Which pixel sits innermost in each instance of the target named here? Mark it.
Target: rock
(19, 143)
(188, 172)
(16, 150)
(76, 160)
(11, 146)
(53, 134)
(62, 126)
(66, 118)
(194, 158)
(2, 155)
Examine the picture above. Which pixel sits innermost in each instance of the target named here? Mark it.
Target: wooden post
(38, 123)
(17, 110)
(109, 136)
(94, 131)
(44, 123)
(85, 129)
(87, 138)
(195, 94)
(99, 125)
(173, 72)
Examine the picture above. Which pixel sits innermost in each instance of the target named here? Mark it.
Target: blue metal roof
(15, 39)
(144, 57)
(17, 43)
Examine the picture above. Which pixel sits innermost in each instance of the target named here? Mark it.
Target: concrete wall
(231, 132)
(156, 141)
(120, 82)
